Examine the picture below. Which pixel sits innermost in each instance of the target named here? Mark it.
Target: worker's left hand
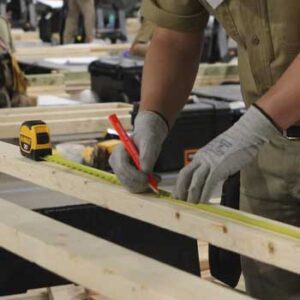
(224, 156)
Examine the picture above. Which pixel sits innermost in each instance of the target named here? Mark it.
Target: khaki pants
(87, 9)
(270, 187)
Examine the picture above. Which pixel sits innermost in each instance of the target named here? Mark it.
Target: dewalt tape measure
(34, 139)
(35, 144)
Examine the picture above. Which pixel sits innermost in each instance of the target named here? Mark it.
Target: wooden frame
(95, 263)
(63, 120)
(278, 249)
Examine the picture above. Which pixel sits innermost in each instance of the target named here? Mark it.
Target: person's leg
(271, 188)
(71, 26)
(87, 8)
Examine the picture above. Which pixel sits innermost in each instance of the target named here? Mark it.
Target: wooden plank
(70, 292)
(59, 108)
(265, 245)
(56, 115)
(46, 79)
(64, 292)
(83, 125)
(21, 35)
(63, 120)
(59, 90)
(95, 263)
(215, 74)
(23, 53)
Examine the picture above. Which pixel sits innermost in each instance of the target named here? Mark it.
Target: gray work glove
(150, 131)
(224, 156)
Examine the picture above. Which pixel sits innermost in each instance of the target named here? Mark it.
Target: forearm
(282, 101)
(170, 69)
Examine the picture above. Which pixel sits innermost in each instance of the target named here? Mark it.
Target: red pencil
(131, 149)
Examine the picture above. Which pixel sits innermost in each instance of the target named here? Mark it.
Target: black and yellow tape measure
(34, 140)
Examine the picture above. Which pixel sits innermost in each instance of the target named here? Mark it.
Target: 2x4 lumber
(68, 51)
(70, 292)
(21, 35)
(59, 108)
(249, 239)
(62, 126)
(63, 292)
(95, 263)
(214, 74)
(46, 79)
(56, 115)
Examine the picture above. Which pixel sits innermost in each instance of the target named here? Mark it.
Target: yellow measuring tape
(166, 196)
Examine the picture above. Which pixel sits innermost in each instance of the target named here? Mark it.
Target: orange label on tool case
(189, 154)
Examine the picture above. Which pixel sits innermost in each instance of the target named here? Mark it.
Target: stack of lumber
(65, 120)
(73, 81)
(58, 83)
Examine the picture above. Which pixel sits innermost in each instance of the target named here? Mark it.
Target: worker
(141, 42)
(13, 84)
(264, 144)
(75, 8)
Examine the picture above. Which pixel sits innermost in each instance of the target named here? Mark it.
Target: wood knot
(271, 247)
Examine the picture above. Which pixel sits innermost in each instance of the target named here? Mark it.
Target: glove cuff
(153, 122)
(259, 124)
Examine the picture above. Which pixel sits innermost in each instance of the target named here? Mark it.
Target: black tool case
(18, 275)
(116, 79)
(50, 22)
(196, 125)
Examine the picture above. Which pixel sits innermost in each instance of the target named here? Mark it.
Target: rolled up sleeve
(178, 15)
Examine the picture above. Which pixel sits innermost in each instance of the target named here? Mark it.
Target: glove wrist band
(268, 117)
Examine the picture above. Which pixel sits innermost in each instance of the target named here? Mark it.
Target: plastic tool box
(116, 79)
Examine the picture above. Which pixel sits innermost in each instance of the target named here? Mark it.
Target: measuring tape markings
(167, 196)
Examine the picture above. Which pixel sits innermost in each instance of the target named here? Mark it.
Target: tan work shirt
(267, 33)
(145, 32)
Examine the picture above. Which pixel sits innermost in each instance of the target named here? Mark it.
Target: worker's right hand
(150, 131)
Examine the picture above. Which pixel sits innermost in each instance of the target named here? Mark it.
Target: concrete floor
(32, 196)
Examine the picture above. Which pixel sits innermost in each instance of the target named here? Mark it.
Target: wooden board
(250, 240)
(214, 74)
(95, 263)
(68, 50)
(81, 119)
(59, 108)
(57, 115)
(21, 35)
(64, 292)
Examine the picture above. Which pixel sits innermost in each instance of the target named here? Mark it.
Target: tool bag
(13, 83)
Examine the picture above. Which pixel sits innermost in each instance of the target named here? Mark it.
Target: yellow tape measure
(166, 196)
